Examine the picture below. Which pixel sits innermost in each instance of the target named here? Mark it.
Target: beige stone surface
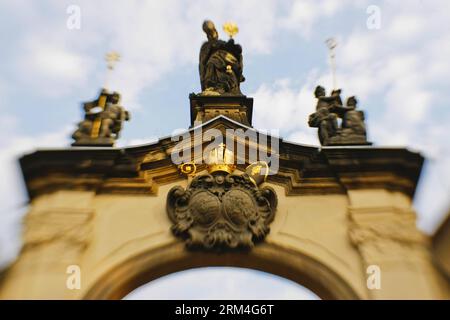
(324, 242)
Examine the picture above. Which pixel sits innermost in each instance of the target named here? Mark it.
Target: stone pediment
(141, 169)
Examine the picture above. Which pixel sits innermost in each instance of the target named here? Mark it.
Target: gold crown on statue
(221, 159)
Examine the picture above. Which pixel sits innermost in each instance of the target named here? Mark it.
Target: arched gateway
(337, 218)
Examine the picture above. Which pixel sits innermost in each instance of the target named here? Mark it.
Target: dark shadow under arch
(152, 264)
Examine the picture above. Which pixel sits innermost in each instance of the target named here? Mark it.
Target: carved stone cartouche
(221, 211)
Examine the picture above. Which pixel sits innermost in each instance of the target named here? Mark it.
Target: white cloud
(303, 15)
(280, 104)
(404, 27)
(54, 69)
(55, 62)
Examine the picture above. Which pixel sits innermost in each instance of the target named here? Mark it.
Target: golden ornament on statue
(231, 29)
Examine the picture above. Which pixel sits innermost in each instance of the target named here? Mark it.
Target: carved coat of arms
(221, 210)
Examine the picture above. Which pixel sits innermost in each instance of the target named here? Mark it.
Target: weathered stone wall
(325, 242)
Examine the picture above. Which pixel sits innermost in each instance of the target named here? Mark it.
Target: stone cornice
(140, 170)
(396, 169)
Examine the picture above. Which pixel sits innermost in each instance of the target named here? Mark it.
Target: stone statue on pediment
(103, 121)
(220, 63)
(329, 110)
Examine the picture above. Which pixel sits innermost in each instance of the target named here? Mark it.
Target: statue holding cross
(103, 117)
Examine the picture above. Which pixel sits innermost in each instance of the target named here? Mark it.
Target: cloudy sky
(399, 70)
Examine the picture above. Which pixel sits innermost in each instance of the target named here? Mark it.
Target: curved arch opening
(222, 283)
(152, 264)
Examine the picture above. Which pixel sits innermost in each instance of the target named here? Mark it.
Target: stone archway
(150, 265)
(339, 211)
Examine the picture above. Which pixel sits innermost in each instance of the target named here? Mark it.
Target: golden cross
(111, 58)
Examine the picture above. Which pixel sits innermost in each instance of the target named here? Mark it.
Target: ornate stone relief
(221, 210)
(390, 230)
(390, 238)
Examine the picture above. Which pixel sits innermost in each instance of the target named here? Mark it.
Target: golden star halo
(230, 28)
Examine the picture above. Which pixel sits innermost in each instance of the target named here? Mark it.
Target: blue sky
(400, 74)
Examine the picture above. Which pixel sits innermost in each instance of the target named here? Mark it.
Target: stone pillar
(383, 229)
(56, 232)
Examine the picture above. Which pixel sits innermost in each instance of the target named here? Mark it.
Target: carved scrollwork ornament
(221, 211)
